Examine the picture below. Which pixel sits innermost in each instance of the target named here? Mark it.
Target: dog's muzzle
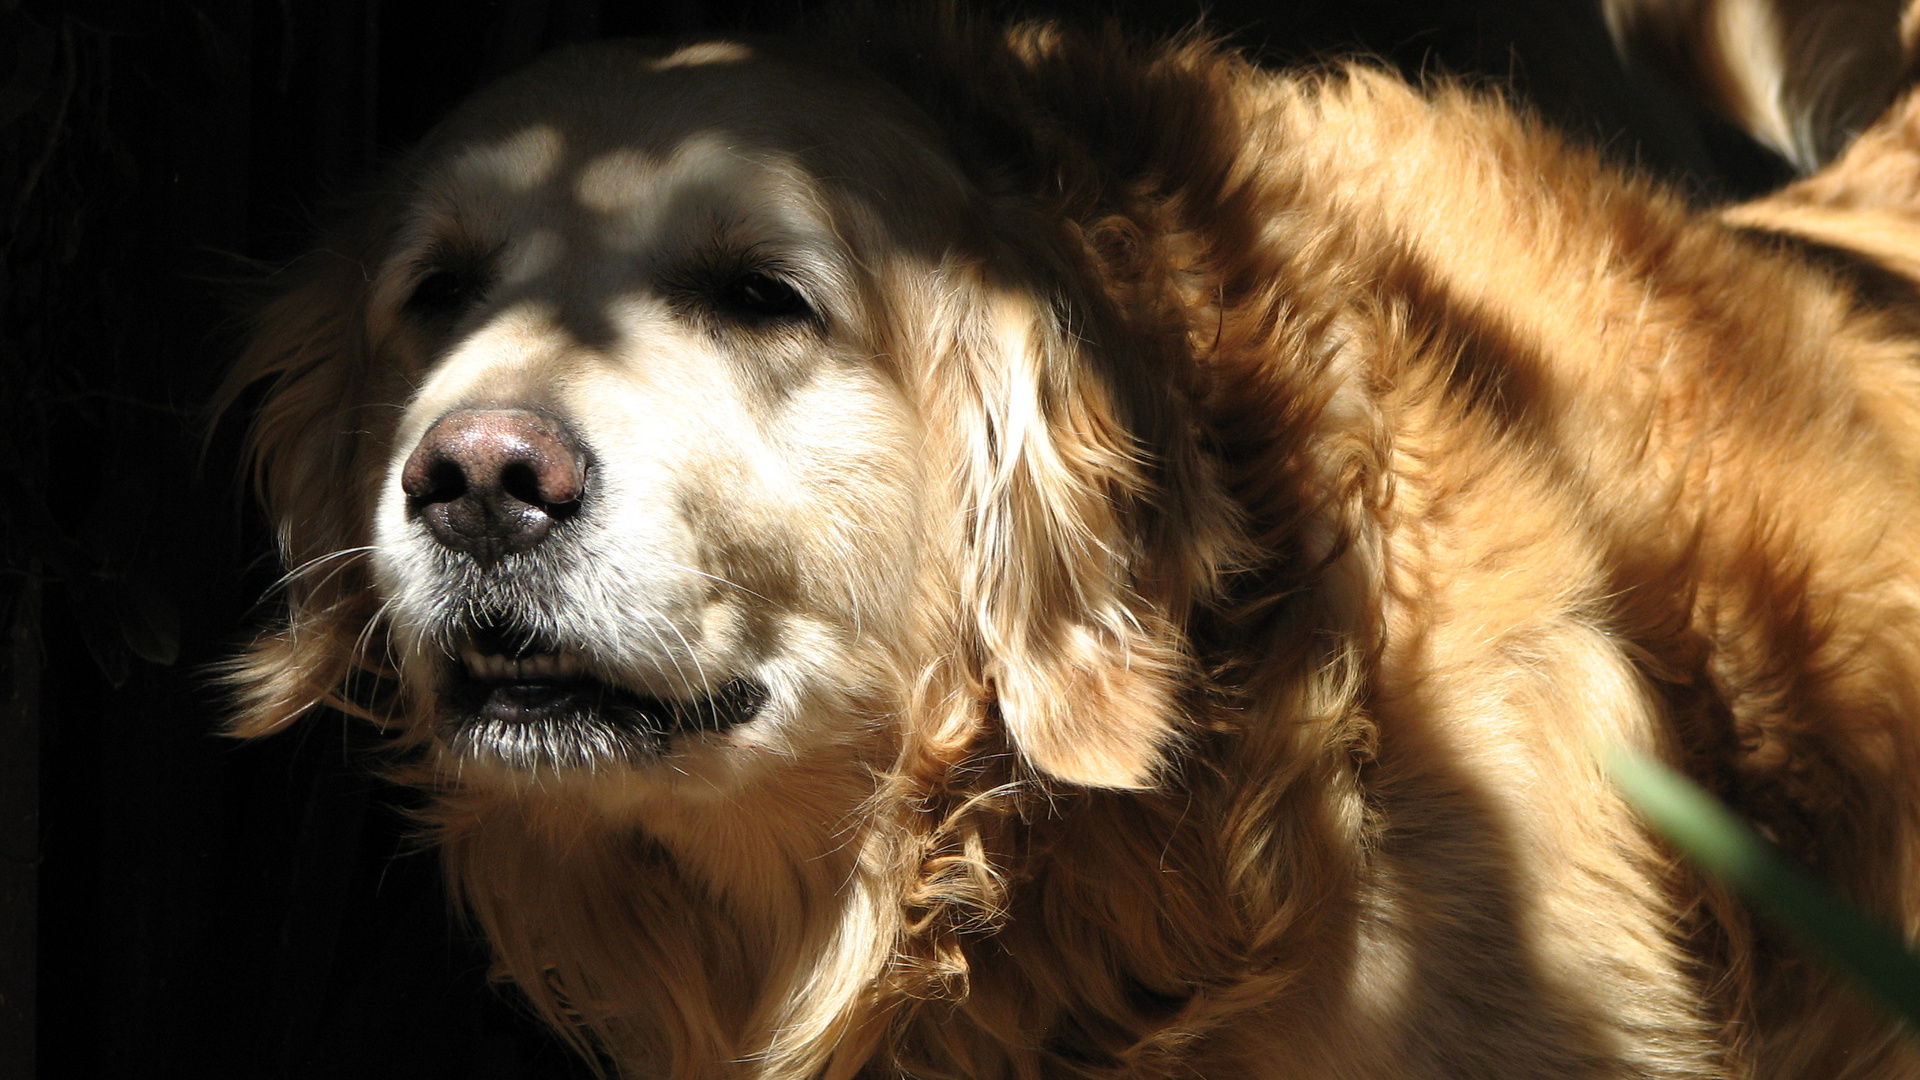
(492, 483)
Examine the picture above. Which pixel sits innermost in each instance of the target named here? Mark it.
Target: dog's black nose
(489, 482)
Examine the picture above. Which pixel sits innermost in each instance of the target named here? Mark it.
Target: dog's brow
(519, 163)
(618, 180)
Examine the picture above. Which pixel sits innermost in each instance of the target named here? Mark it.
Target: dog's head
(698, 417)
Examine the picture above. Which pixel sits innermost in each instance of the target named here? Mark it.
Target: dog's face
(657, 505)
(701, 417)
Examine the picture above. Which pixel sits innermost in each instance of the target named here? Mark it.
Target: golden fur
(1194, 553)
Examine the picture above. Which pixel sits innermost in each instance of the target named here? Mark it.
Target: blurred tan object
(1802, 76)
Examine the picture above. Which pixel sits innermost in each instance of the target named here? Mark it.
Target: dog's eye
(759, 296)
(445, 292)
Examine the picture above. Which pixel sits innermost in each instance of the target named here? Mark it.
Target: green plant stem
(1709, 834)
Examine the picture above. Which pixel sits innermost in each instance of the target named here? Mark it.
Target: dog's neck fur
(652, 954)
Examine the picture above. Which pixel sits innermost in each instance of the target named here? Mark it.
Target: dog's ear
(305, 363)
(1077, 647)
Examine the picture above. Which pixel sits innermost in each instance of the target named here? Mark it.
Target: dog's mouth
(529, 703)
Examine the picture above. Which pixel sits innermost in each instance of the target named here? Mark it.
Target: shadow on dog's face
(655, 508)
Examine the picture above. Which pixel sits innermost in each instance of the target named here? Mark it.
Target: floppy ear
(308, 352)
(1083, 663)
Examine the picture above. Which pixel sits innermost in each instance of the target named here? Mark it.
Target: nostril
(445, 482)
(534, 483)
(520, 481)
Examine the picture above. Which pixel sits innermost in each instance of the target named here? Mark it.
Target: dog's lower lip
(578, 718)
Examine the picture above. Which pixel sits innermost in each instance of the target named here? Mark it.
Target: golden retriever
(1009, 553)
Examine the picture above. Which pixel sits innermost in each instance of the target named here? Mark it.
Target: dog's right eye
(444, 292)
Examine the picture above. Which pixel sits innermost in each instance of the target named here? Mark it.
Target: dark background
(175, 904)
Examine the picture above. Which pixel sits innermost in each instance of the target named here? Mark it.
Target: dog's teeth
(550, 666)
(484, 665)
(496, 667)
